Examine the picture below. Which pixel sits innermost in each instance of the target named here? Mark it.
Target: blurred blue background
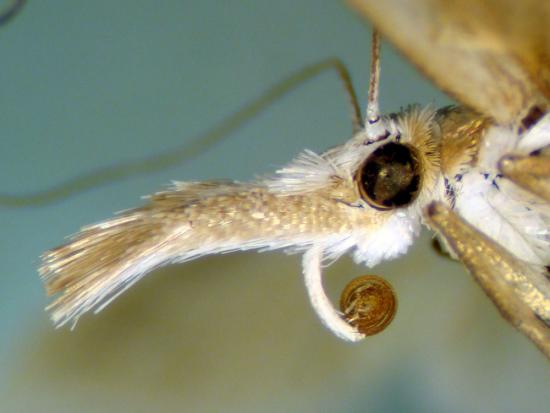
(85, 85)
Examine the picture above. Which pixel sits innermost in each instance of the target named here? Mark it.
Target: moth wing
(491, 55)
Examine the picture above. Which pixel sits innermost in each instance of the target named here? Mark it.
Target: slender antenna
(343, 74)
(373, 128)
(373, 111)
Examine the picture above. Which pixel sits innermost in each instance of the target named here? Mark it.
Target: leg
(531, 172)
(520, 291)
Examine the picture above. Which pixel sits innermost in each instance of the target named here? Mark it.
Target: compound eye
(390, 177)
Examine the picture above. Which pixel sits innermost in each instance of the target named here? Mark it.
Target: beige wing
(491, 55)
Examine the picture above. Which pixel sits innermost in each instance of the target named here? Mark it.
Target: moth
(476, 174)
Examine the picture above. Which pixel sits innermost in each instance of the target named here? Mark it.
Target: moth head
(376, 187)
(381, 182)
(399, 166)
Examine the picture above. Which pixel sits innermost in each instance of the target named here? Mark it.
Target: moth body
(479, 193)
(478, 175)
(366, 197)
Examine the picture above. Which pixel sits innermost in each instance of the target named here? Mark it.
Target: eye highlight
(390, 177)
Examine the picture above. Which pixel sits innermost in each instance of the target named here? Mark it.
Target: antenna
(373, 110)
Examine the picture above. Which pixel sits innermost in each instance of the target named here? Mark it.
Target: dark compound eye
(390, 177)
